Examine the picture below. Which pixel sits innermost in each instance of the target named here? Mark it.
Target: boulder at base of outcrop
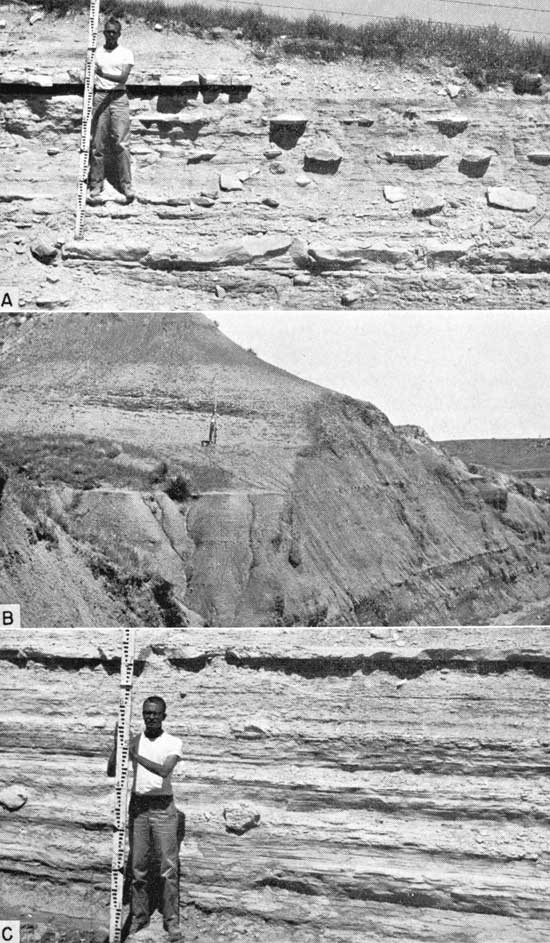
(505, 198)
(530, 83)
(394, 194)
(475, 163)
(416, 160)
(322, 160)
(44, 248)
(12, 798)
(240, 818)
(429, 204)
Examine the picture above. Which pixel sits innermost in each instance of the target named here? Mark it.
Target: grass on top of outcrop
(486, 56)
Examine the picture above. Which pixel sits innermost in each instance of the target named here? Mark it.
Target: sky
(523, 17)
(459, 374)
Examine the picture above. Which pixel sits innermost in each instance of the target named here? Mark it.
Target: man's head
(154, 712)
(111, 30)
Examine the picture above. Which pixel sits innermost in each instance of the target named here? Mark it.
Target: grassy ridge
(486, 56)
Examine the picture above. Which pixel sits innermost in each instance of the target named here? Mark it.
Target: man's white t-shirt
(158, 750)
(112, 61)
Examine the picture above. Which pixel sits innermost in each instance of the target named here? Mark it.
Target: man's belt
(140, 802)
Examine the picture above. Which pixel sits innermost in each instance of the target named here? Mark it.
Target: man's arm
(119, 75)
(160, 769)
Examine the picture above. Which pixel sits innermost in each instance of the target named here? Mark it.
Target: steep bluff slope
(400, 782)
(311, 508)
(273, 181)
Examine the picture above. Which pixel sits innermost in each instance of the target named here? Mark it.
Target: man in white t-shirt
(153, 819)
(111, 113)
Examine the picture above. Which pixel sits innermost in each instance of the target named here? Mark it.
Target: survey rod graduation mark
(121, 784)
(87, 112)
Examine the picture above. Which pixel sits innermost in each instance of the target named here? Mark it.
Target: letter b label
(10, 618)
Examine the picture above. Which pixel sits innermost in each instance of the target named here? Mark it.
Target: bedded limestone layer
(395, 778)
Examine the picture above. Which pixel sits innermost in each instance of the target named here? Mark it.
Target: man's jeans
(111, 128)
(154, 844)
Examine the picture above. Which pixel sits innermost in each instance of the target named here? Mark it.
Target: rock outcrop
(243, 132)
(396, 785)
(311, 508)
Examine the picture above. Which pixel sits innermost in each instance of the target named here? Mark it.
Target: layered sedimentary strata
(396, 779)
(310, 508)
(233, 155)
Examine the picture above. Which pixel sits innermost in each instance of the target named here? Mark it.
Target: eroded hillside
(311, 508)
(272, 181)
(397, 782)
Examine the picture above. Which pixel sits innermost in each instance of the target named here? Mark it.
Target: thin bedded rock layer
(395, 783)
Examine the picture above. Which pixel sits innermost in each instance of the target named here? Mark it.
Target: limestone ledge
(73, 80)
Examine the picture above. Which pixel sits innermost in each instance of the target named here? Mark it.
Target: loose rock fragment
(230, 181)
(240, 818)
(430, 203)
(394, 194)
(44, 249)
(453, 91)
(506, 198)
(13, 798)
(350, 297)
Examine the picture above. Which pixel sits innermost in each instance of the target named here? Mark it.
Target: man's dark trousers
(111, 128)
(153, 835)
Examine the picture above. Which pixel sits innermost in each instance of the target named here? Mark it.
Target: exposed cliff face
(311, 508)
(399, 781)
(275, 181)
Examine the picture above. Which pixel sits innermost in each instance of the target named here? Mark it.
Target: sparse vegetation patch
(486, 56)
